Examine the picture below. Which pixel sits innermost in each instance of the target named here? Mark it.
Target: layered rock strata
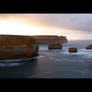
(89, 47)
(14, 46)
(47, 39)
(55, 46)
(73, 50)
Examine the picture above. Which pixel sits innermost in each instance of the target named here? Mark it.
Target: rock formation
(74, 50)
(89, 47)
(63, 39)
(47, 39)
(55, 46)
(14, 46)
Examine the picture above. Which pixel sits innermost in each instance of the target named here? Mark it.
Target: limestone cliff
(14, 46)
(41, 39)
(63, 39)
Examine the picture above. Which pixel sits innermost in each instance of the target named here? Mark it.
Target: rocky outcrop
(47, 39)
(89, 47)
(74, 50)
(63, 39)
(55, 46)
(14, 46)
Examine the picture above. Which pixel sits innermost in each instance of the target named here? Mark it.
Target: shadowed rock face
(63, 39)
(89, 47)
(55, 46)
(73, 50)
(14, 46)
(46, 39)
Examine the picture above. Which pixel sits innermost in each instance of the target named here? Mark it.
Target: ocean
(52, 63)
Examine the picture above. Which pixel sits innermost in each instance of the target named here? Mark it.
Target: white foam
(9, 64)
(85, 52)
(14, 64)
(43, 48)
(38, 57)
(15, 60)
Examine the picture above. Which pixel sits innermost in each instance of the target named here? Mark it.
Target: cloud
(78, 22)
(73, 21)
(81, 22)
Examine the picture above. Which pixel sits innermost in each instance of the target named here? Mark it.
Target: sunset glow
(41, 24)
(18, 28)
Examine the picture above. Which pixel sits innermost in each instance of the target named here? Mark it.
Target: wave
(83, 52)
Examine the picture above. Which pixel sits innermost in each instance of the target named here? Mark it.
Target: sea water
(51, 63)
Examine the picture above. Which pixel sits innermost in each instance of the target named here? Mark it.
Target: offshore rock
(74, 50)
(55, 46)
(89, 47)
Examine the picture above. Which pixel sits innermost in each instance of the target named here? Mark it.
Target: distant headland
(46, 39)
(16, 46)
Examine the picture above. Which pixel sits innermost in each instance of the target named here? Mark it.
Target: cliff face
(63, 39)
(13, 46)
(50, 39)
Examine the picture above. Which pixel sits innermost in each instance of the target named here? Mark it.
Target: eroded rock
(14, 46)
(89, 47)
(74, 50)
(47, 39)
(55, 46)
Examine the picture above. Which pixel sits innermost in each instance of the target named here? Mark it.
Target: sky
(73, 26)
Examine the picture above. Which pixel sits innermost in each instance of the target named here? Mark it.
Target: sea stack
(89, 47)
(14, 46)
(73, 50)
(55, 46)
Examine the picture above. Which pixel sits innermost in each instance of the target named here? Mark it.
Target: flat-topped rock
(74, 50)
(15, 46)
(89, 47)
(55, 46)
(47, 39)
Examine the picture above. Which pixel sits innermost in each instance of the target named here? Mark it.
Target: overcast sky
(75, 25)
